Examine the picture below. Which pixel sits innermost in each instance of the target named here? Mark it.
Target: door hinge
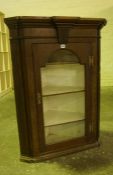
(91, 61)
(39, 98)
(91, 128)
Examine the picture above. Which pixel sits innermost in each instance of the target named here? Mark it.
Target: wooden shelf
(57, 90)
(65, 123)
(5, 70)
(5, 59)
(64, 93)
(54, 117)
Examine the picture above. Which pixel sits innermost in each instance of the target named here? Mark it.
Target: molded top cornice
(38, 21)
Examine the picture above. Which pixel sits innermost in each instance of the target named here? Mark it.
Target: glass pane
(62, 78)
(63, 94)
(63, 108)
(63, 132)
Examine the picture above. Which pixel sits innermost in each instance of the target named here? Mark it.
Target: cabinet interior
(63, 95)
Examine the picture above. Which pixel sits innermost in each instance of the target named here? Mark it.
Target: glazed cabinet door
(63, 92)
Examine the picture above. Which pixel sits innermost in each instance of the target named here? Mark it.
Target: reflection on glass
(63, 95)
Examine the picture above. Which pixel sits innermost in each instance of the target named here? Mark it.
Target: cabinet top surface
(41, 20)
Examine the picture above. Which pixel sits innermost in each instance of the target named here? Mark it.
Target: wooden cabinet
(56, 76)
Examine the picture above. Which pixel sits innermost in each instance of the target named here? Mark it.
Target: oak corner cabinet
(56, 67)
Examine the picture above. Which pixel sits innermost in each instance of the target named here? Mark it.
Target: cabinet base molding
(52, 155)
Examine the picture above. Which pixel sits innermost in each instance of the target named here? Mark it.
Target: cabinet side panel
(96, 89)
(19, 98)
(27, 116)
